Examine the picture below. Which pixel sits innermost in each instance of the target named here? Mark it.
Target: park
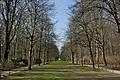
(62, 70)
(59, 39)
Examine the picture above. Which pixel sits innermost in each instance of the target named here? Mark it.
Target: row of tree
(92, 33)
(27, 31)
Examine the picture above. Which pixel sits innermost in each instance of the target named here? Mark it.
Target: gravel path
(106, 69)
(13, 71)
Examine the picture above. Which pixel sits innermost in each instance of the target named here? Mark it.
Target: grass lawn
(61, 70)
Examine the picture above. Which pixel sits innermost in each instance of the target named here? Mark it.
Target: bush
(113, 62)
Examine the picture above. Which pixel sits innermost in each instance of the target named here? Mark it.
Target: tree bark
(39, 54)
(44, 53)
(14, 51)
(30, 53)
(104, 57)
(72, 57)
(7, 50)
(41, 34)
(82, 63)
(0, 44)
(91, 54)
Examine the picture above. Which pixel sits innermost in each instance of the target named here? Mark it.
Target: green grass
(60, 71)
(60, 63)
(28, 75)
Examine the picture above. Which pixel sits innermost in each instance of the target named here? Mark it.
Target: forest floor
(61, 70)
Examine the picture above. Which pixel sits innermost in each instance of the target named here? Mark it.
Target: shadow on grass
(60, 71)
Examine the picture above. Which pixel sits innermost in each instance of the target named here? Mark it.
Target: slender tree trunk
(30, 53)
(98, 57)
(26, 48)
(118, 24)
(47, 56)
(0, 50)
(25, 51)
(14, 51)
(91, 54)
(104, 57)
(112, 47)
(41, 34)
(72, 57)
(90, 48)
(0, 45)
(82, 56)
(39, 53)
(44, 53)
(44, 56)
(77, 56)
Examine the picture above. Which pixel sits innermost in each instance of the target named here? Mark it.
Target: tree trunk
(0, 45)
(45, 45)
(47, 56)
(91, 54)
(25, 51)
(118, 24)
(103, 48)
(39, 52)
(30, 53)
(77, 56)
(44, 53)
(39, 55)
(40, 44)
(72, 57)
(82, 56)
(44, 57)
(7, 50)
(14, 51)
(7, 45)
(104, 58)
(98, 57)
(0, 50)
